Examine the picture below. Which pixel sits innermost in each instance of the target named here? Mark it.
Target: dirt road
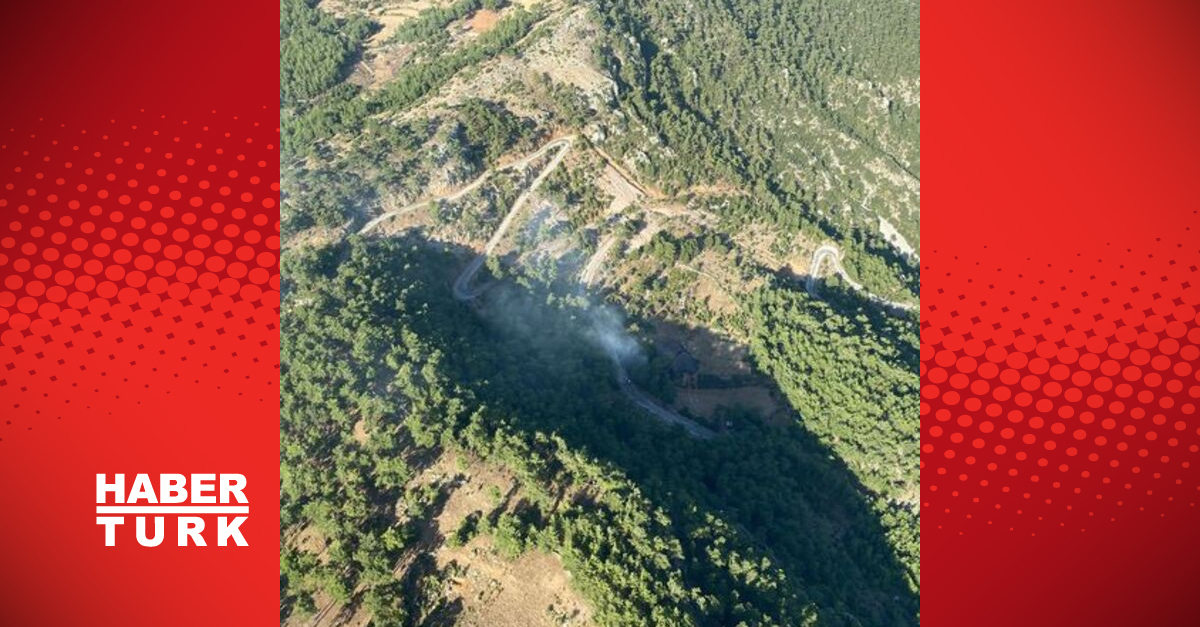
(473, 185)
(462, 285)
(596, 262)
(464, 292)
(828, 253)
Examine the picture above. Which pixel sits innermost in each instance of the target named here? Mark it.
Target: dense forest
(711, 78)
(725, 142)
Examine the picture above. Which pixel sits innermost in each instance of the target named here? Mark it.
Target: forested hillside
(758, 528)
(814, 106)
(599, 313)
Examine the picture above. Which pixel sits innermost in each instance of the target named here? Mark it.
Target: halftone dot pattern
(136, 256)
(1056, 398)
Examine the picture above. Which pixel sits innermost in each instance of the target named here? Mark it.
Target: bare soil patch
(483, 21)
(532, 590)
(616, 185)
(715, 296)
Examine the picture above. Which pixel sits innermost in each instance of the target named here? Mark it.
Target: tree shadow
(536, 355)
(424, 603)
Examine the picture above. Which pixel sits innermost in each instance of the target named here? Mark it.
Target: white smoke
(607, 329)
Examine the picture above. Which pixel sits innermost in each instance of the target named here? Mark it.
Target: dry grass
(715, 297)
(360, 432)
(705, 403)
(616, 185)
(565, 56)
(530, 591)
(483, 21)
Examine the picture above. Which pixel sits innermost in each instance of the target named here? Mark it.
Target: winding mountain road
(462, 285)
(463, 290)
(596, 262)
(651, 406)
(828, 253)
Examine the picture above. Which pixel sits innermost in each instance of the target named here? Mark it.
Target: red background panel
(139, 282)
(95, 60)
(1060, 439)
